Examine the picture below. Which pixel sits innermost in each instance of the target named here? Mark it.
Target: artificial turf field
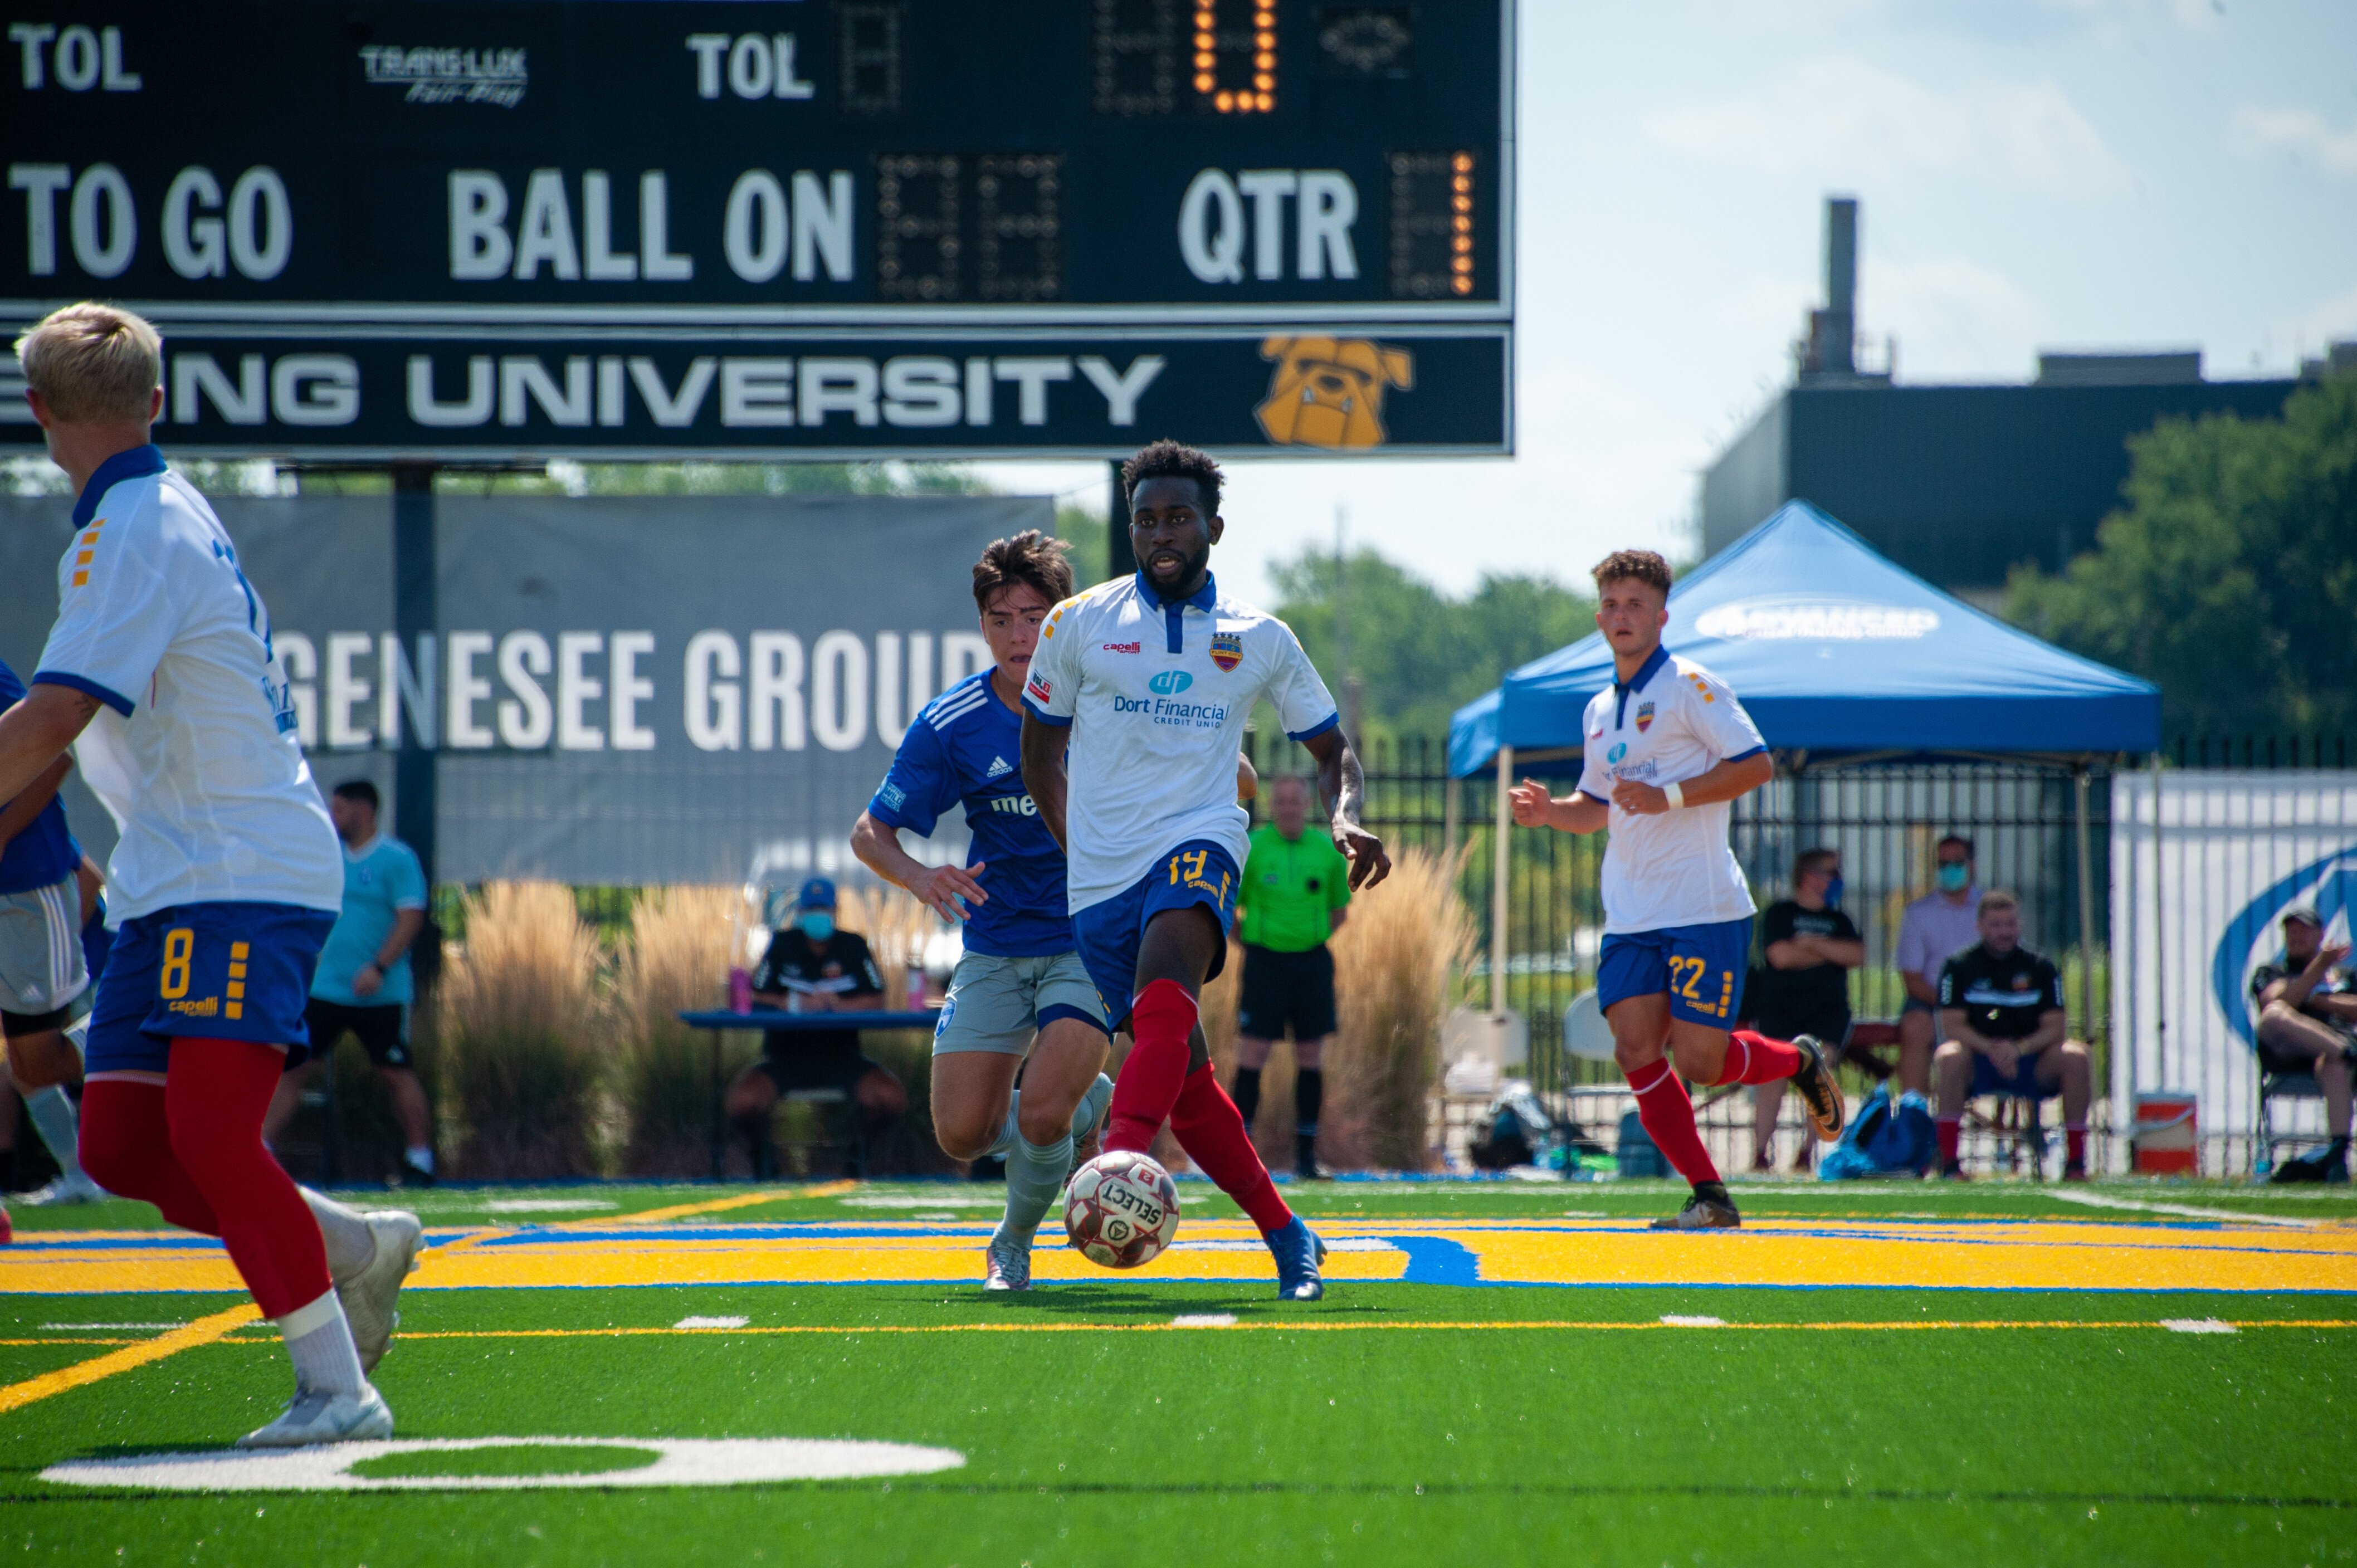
(1895, 1375)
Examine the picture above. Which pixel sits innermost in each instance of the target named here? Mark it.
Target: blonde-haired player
(160, 673)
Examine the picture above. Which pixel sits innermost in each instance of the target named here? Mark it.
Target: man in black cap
(2307, 1023)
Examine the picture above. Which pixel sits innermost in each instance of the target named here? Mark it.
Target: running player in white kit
(1667, 751)
(160, 673)
(1151, 677)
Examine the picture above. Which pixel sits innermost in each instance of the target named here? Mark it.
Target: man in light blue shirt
(364, 984)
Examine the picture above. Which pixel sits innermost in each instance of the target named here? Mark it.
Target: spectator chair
(2017, 1127)
(2275, 1085)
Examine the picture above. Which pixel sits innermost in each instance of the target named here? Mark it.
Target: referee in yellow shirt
(1291, 899)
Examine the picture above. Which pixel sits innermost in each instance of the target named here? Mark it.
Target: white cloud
(1952, 317)
(1844, 118)
(2194, 15)
(2302, 132)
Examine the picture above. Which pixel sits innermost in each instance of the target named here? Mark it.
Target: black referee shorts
(1282, 988)
(382, 1028)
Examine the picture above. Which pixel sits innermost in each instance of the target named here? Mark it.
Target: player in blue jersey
(1021, 987)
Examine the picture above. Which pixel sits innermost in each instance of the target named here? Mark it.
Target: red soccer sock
(1669, 1119)
(2074, 1144)
(1950, 1129)
(126, 1147)
(1160, 1020)
(1211, 1130)
(1753, 1057)
(214, 1095)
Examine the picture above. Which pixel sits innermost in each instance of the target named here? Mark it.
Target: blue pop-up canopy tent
(1833, 652)
(1841, 658)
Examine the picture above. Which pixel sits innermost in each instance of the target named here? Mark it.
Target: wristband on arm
(1677, 797)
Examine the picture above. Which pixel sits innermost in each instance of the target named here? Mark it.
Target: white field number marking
(711, 1323)
(1204, 1320)
(1677, 1320)
(681, 1462)
(2197, 1326)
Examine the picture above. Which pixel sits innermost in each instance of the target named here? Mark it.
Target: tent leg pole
(1497, 880)
(2086, 921)
(1452, 815)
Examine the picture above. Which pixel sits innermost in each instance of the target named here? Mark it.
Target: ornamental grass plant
(1393, 961)
(674, 958)
(525, 1039)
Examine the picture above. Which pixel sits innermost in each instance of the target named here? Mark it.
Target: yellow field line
(1282, 1326)
(712, 1206)
(203, 1331)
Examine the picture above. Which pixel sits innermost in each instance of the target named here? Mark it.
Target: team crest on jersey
(1227, 649)
(1645, 717)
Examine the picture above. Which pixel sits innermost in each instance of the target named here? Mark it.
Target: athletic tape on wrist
(1677, 796)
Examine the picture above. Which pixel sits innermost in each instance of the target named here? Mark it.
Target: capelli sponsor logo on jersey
(194, 1007)
(496, 77)
(1124, 648)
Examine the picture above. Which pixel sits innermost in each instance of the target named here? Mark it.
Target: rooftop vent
(2176, 367)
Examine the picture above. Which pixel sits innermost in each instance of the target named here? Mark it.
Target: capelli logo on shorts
(194, 1008)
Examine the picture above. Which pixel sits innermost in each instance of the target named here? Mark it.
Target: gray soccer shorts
(43, 984)
(998, 1004)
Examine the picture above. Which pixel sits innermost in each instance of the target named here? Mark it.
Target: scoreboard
(838, 228)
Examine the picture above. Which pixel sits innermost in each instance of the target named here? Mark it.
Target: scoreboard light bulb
(1266, 82)
(1267, 102)
(1463, 241)
(1225, 103)
(1266, 59)
(1464, 162)
(1205, 81)
(1464, 224)
(1463, 285)
(1205, 60)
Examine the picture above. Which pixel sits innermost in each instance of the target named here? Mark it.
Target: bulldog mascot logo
(1328, 392)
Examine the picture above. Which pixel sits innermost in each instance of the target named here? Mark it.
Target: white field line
(101, 1327)
(2197, 1326)
(1204, 1320)
(900, 1200)
(1679, 1320)
(2186, 1210)
(711, 1323)
(542, 1205)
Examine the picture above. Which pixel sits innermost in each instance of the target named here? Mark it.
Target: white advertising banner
(2204, 864)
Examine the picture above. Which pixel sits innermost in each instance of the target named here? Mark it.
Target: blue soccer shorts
(221, 971)
(1109, 932)
(1700, 968)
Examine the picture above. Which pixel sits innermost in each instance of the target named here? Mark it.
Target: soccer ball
(1121, 1211)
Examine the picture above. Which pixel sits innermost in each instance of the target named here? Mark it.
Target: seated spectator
(2001, 1010)
(1811, 947)
(1935, 928)
(2307, 1023)
(812, 967)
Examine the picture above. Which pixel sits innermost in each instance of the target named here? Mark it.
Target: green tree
(2230, 579)
(1419, 653)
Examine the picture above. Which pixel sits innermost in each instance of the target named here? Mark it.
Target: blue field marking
(1436, 1261)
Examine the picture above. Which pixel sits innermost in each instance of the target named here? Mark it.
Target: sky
(2031, 174)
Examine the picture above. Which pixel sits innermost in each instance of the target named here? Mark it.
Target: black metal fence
(2022, 818)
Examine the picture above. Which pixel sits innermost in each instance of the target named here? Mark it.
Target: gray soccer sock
(320, 1341)
(1035, 1173)
(352, 1245)
(52, 1111)
(1010, 1136)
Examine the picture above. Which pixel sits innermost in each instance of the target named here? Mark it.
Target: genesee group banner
(2203, 866)
(620, 690)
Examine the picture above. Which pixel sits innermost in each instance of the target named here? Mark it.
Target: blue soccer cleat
(1299, 1252)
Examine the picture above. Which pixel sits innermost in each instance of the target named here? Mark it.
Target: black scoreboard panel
(876, 167)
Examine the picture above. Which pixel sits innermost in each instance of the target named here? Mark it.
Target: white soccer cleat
(1010, 1267)
(369, 1296)
(76, 1187)
(313, 1417)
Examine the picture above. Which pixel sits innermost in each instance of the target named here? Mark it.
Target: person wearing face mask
(1811, 947)
(814, 967)
(1936, 926)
